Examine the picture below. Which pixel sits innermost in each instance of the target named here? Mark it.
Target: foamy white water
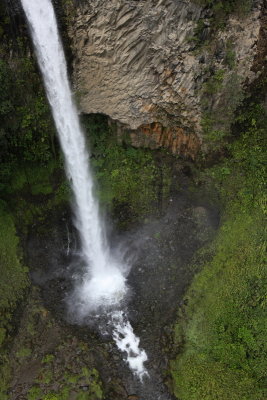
(104, 283)
(128, 343)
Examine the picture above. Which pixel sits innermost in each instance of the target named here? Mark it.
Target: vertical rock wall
(136, 62)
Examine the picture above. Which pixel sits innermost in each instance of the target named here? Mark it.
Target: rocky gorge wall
(160, 70)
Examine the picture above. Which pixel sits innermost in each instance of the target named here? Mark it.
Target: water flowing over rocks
(137, 63)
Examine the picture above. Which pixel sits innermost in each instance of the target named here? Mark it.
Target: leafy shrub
(127, 178)
(27, 131)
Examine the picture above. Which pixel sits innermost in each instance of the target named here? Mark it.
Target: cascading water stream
(104, 283)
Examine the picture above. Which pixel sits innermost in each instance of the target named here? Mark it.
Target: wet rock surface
(161, 250)
(159, 278)
(47, 359)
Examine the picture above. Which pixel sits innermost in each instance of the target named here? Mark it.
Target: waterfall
(104, 283)
(105, 274)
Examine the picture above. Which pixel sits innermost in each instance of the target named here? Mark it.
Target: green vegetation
(31, 178)
(226, 7)
(14, 281)
(121, 170)
(23, 353)
(5, 377)
(35, 393)
(28, 148)
(13, 274)
(35, 191)
(221, 333)
(48, 359)
(88, 378)
(220, 12)
(221, 96)
(215, 83)
(29, 158)
(28, 154)
(27, 131)
(230, 56)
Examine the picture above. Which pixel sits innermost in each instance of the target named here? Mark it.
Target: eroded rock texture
(136, 62)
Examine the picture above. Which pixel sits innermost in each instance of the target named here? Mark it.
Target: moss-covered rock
(221, 331)
(14, 281)
(14, 275)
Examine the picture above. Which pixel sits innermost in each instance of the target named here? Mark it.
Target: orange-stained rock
(175, 139)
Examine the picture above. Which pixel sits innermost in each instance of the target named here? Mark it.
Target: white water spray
(127, 342)
(104, 283)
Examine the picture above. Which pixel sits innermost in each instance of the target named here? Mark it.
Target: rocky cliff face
(141, 63)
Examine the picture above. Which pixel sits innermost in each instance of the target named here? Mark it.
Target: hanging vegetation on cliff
(221, 333)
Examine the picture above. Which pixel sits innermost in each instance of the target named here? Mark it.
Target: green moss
(82, 396)
(23, 353)
(96, 390)
(222, 9)
(215, 83)
(31, 328)
(52, 396)
(48, 359)
(5, 377)
(14, 276)
(32, 178)
(46, 377)
(65, 393)
(94, 394)
(62, 194)
(36, 191)
(230, 55)
(13, 282)
(71, 378)
(69, 383)
(206, 29)
(223, 331)
(217, 116)
(30, 174)
(27, 132)
(34, 393)
(226, 329)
